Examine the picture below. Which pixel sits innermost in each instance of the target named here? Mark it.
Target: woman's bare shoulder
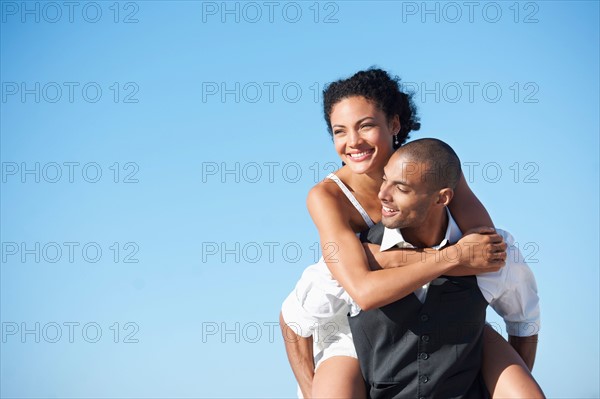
(326, 199)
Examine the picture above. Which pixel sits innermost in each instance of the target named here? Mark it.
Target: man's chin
(390, 223)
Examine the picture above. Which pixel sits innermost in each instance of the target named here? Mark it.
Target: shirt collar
(393, 237)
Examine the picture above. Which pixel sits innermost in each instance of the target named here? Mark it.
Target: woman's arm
(467, 210)
(346, 259)
(470, 216)
(481, 250)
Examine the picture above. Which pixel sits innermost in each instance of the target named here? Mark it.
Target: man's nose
(383, 192)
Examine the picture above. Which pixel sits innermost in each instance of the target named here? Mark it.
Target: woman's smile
(361, 156)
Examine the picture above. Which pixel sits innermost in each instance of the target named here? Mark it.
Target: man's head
(419, 181)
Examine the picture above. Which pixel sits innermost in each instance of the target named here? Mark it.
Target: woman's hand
(480, 250)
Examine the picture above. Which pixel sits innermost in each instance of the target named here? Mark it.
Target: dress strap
(352, 199)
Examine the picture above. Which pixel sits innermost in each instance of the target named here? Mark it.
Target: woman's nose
(353, 138)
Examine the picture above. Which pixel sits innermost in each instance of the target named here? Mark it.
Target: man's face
(405, 196)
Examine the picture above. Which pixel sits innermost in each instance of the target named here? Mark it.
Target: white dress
(319, 306)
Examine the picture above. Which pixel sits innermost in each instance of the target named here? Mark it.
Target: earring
(396, 142)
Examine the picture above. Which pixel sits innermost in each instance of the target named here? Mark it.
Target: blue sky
(156, 158)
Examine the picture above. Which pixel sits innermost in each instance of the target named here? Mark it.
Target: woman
(368, 117)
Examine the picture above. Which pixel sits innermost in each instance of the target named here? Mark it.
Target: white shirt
(512, 291)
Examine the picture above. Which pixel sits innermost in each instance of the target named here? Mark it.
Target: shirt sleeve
(316, 298)
(512, 292)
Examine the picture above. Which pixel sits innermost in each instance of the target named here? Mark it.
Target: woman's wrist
(451, 256)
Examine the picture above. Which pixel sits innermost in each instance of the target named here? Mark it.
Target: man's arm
(526, 347)
(513, 294)
(300, 355)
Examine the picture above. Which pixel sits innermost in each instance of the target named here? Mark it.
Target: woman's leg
(504, 372)
(339, 377)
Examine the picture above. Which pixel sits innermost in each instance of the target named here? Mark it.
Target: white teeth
(359, 154)
(388, 209)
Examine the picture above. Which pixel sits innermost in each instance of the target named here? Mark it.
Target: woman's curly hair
(384, 91)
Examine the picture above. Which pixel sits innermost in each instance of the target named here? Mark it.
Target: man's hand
(481, 250)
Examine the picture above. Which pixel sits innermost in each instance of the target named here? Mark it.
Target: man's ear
(445, 195)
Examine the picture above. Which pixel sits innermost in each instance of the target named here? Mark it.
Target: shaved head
(438, 163)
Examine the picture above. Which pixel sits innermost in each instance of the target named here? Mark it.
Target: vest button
(424, 317)
(424, 379)
(424, 356)
(425, 338)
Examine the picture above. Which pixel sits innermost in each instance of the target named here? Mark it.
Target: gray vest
(410, 349)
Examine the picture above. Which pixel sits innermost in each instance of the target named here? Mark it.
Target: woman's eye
(366, 126)
(401, 189)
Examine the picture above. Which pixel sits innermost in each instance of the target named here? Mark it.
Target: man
(429, 343)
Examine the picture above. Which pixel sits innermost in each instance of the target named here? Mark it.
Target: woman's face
(362, 134)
